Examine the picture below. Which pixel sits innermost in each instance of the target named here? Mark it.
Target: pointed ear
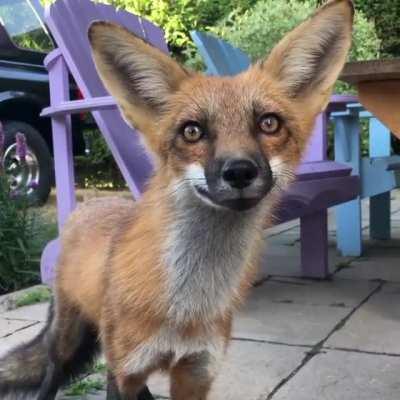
(308, 60)
(138, 75)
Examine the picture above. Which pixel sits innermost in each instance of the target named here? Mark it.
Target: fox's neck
(207, 252)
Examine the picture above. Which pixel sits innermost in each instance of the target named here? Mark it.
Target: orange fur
(113, 266)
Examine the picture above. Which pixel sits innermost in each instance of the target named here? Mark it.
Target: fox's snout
(239, 173)
(236, 183)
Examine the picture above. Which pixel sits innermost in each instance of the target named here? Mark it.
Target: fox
(154, 284)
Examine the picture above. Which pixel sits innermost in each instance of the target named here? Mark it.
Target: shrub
(386, 14)
(98, 168)
(23, 235)
(258, 30)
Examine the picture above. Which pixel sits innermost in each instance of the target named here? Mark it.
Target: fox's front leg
(192, 377)
(113, 392)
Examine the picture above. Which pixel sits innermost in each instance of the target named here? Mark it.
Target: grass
(34, 296)
(85, 386)
(99, 368)
(89, 384)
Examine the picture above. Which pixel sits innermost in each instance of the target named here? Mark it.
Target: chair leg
(379, 213)
(349, 229)
(314, 245)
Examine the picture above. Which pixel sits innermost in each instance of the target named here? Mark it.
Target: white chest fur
(168, 342)
(206, 253)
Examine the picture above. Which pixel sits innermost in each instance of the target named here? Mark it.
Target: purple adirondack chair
(68, 21)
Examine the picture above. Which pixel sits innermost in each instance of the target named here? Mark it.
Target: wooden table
(378, 85)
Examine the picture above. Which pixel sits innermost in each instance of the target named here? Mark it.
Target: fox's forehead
(226, 99)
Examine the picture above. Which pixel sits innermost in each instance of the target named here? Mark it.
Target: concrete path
(298, 339)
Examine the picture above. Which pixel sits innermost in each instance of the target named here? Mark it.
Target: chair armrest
(51, 58)
(79, 106)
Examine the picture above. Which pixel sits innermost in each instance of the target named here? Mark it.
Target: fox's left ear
(139, 76)
(308, 60)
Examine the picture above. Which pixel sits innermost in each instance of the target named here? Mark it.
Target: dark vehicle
(24, 92)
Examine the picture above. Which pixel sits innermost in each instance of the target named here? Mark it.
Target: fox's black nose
(239, 173)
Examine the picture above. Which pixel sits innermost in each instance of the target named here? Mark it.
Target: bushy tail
(69, 344)
(23, 368)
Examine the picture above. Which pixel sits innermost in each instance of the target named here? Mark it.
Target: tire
(38, 172)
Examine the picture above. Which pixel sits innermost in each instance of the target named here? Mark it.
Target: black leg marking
(112, 389)
(113, 392)
(50, 384)
(145, 394)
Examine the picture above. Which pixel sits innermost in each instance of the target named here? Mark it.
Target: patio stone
(336, 293)
(35, 312)
(375, 326)
(284, 260)
(337, 375)
(279, 229)
(377, 263)
(298, 312)
(251, 371)
(19, 337)
(7, 327)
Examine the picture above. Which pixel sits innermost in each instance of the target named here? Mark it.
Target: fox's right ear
(138, 75)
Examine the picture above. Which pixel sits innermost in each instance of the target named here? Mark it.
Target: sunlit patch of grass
(85, 386)
(34, 296)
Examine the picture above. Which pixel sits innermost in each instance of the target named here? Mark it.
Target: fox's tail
(23, 369)
(68, 344)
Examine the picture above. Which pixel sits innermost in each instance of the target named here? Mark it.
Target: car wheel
(34, 176)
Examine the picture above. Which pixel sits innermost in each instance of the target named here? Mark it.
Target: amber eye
(270, 124)
(192, 132)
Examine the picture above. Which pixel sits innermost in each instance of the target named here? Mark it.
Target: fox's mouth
(239, 203)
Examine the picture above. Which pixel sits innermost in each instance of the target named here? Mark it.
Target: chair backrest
(68, 21)
(221, 58)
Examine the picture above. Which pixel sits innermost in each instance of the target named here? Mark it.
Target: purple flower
(33, 185)
(20, 141)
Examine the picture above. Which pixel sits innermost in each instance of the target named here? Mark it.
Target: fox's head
(229, 140)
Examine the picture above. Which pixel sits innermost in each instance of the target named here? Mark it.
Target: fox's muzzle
(237, 183)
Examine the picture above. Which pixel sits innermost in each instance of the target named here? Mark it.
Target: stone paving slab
(284, 260)
(8, 327)
(35, 312)
(294, 313)
(19, 337)
(375, 326)
(250, 371)
(335, 293)
(377, 263)
(337, 375)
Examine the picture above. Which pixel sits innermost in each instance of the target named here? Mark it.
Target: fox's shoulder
(101, 214)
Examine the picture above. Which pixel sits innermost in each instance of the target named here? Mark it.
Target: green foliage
(23, 235)
(34, 296)
(85, 386)
(258, 30)
(98, 169)
(35, 40)
(386, 14)
(179, 17)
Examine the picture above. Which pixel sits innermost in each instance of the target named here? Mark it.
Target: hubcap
(22, 175)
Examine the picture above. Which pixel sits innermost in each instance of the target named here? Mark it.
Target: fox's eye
(192, 132)
(270, 123)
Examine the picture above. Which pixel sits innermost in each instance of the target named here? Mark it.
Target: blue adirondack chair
(221, 58)
(379, 173)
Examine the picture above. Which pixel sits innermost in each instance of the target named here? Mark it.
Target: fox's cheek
(190, 152)
(195, 173)
(282, 171)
